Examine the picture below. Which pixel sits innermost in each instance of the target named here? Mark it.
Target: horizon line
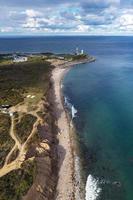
(65, 35)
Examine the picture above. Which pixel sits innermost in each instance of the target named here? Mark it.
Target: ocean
(102, 94)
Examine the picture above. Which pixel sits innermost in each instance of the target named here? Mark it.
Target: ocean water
(101, 94)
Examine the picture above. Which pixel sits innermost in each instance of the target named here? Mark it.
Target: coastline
(50, 146)
(68, 160)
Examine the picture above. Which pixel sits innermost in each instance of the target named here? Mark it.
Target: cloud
(126, 20)
(83, 16)
(6, 29)
(34, 3)
(98, 5)
(32, 13)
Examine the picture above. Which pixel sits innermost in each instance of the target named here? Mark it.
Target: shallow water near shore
(102, 95)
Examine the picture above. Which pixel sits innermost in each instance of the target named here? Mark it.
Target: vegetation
(79, 57)
(6, 142)
(74, 57)
(5, 59)
(17, 80)
(16, 184)
(24, 127)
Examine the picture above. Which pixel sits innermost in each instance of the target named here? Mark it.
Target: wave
(92, 188)
(70, 107)
(73, 112)
(62, 86)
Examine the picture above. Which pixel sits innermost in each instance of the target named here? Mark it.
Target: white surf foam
(62, 85)
(92, 188)
(74, 112)
(66, 101)
(70, 107)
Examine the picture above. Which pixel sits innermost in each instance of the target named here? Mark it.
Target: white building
(79, 52)
(82, 52)
(20, 59)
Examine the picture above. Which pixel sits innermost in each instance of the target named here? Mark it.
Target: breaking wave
(71, 107)
(92, 188)
(74, 112)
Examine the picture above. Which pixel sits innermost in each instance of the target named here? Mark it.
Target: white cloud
(6, 29)
(126, 20)
(107, 17)
(31, 23)
(82, 28)
(32, 13)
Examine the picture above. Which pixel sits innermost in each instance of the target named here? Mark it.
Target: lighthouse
(82, 52)
(77, 51)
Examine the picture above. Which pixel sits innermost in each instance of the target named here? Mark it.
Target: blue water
(102, 92)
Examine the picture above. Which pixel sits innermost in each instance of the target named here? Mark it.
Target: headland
(38, 131)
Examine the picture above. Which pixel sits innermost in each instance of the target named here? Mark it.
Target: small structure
(30, 96)
(18, 59)
(82, 52)
(5, 106)
(79, 53)
(5, 109)
(61, 58)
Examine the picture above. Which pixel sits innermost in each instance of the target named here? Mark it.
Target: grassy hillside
(16, 82)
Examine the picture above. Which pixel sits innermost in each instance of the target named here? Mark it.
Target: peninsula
(37, 154)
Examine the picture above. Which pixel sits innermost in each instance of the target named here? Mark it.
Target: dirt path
(16, 164)
(16, 140)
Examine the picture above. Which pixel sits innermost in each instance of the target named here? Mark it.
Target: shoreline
(65, 186)
(68, 187)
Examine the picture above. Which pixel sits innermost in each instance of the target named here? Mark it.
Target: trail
(15, 138)
(16, 164)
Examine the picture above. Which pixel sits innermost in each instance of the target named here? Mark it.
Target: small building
(5, 109)
(79, 52)
(18, 59)
(5, 106)
(61, 58)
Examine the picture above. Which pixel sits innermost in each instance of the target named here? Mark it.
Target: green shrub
(15, 185)
(24, 127)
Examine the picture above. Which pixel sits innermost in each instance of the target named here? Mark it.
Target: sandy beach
(66, 158)
(65, 186)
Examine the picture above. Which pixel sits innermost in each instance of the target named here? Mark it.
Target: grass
(24, 127)
(5, 61)
(15, 185)
(79, 57)
(6, 142)
(16, 81)
(73, 57)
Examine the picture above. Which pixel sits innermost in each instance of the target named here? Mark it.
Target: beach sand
(65, 186)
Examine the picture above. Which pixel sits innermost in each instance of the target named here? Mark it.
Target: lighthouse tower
(82, 52)
(77, 51)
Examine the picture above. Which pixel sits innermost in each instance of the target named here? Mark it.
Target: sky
(66, 17)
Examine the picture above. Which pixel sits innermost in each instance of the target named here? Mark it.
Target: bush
(15, 185)
(6, 142)
(24, 127)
